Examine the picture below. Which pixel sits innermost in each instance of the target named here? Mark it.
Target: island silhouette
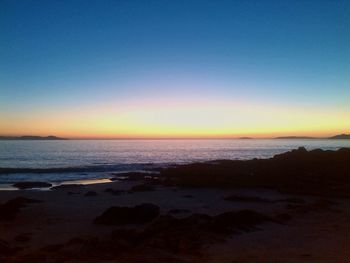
(30, 137)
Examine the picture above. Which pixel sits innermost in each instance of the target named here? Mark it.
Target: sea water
(66, 160)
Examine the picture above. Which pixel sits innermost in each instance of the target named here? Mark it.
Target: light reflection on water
(9, 187)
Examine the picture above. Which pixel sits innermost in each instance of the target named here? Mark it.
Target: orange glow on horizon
(170, 119)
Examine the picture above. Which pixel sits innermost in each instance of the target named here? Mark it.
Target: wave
(84, 169)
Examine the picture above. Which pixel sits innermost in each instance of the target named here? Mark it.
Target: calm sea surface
(88, 159)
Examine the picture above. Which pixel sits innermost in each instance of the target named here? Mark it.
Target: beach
(321, 235)
(190, 224)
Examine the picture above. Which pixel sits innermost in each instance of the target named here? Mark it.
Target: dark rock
(190, 233)
(321, 204)
(5, 249)
(29, 185)
(294, 200)
(128, 215)
(129, 237)
(114, 192)
(253, 199)
(113, 179)
(283, 217)
(90, 193)
(133, 176)
(73, 193)
(198, 220)
(10, 209)
(242, 220)
(178, 211)
(177, 235)
(256, 199)
(74, 241)
(68, 187)
(36, 257)
(141, 188)
(305, 255)
(165, 236)
(222, 223)
(318, 205)
(317, 172)
(52, 248)
(25, 237)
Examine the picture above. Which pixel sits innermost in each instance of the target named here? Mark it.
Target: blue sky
(57, 54)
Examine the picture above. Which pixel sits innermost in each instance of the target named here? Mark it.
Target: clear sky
(174, 68)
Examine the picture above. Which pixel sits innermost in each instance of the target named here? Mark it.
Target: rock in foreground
(139, 214)
(166, 239)
(315, 172)
(10, 209)
(142, 188)
(29, 185)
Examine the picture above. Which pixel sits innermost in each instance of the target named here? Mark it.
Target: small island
(33, 138)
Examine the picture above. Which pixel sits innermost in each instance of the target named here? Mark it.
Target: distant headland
(295, 137)
(341, 136)
(34, 138)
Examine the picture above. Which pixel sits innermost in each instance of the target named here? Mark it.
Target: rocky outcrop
(9, 210)
(114, 191)
(165, 239)
(247, 199)
(29, 185)
(68, 187)
(315, 172)
(90, 193)
(139, 214)
(5, 249)
(133, 176)
(146, 187)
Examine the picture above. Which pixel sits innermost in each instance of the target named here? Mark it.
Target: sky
(174, 69)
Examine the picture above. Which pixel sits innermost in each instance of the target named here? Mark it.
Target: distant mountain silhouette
(340, 136)
(245, 138)
(295, 137)
(28, 137)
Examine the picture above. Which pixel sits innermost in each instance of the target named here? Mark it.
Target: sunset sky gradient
(174, 69)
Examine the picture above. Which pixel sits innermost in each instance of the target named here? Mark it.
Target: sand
(319, 234)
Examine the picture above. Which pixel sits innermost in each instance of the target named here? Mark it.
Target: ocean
(70, 160)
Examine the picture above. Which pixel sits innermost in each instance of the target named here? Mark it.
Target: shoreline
(66, 225)
(293, 171)
(190, 213)
(10, 187)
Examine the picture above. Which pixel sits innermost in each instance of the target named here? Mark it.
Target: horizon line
(176, 138)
